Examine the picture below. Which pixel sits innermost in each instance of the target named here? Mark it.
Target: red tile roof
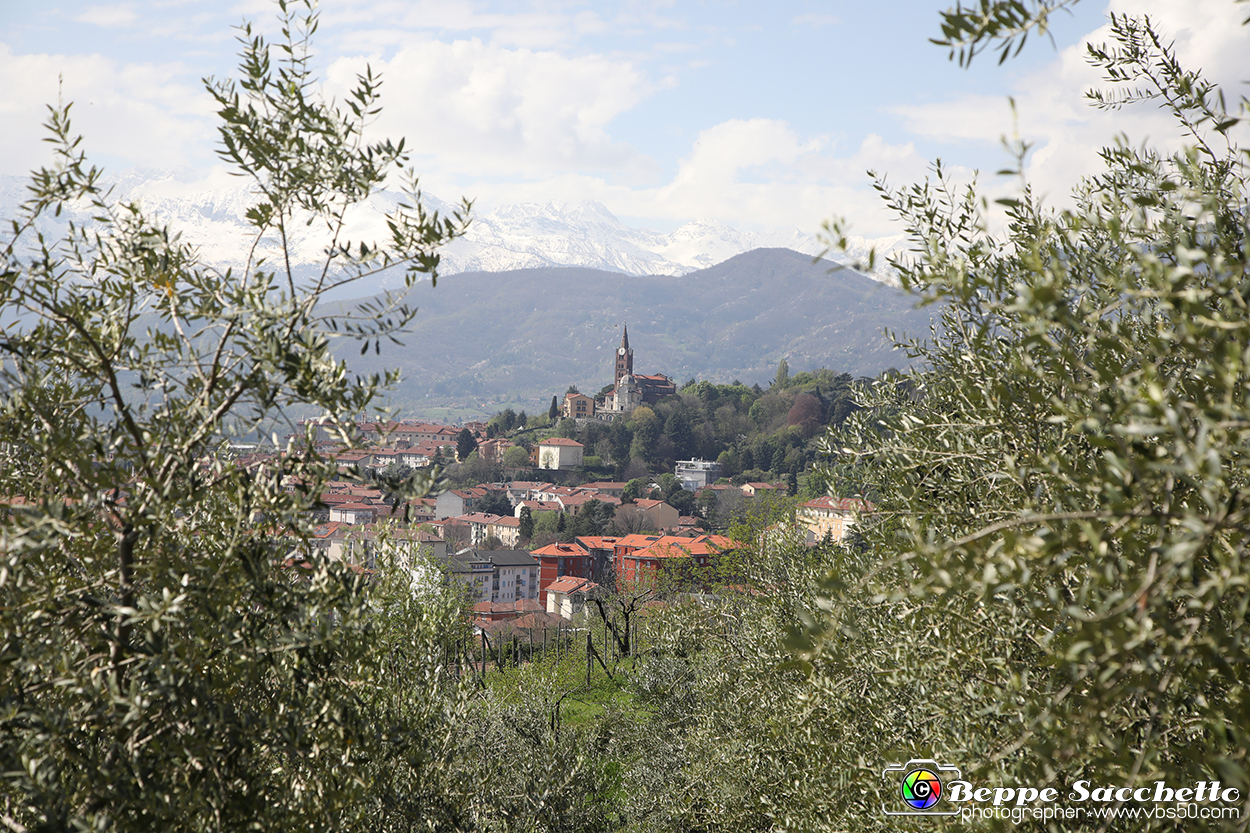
(542, 505)
(478, 518)
(571, 584)
(574, 501)
(647, 503)
(673, 546)
(558, 549)
(538, 620)
(637, 541)
(598, 542)
(519, 606)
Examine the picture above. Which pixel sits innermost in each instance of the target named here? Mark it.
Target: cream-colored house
(833, 516)
(661, 514)
(566, 596)
(353, 513)
(506, 528)
(559, 453)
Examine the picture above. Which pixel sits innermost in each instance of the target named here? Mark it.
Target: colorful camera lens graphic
(921, 789)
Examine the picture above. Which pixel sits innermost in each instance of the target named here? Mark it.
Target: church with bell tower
(630, 389)
(624, 357)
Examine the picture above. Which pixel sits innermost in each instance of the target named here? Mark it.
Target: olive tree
(173, 653)
(1058, 585)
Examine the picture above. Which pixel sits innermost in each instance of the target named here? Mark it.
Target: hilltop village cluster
(477, 535)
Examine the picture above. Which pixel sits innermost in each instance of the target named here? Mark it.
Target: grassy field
(562, 680)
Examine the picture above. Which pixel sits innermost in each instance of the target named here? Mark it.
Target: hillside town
(546, 537)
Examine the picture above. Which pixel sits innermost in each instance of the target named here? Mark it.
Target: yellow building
(832, 515)
(578, 406)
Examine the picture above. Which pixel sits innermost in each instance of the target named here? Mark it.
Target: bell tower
(624, 357)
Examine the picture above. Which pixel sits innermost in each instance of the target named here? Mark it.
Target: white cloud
(758, 172)
(481, 109)
(753, 174)
(722, 151)
(1053, 114)
(542, 28)
(131, 111)
(109, 16)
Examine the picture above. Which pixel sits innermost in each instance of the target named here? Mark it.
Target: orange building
(559, 560)
(642, 557)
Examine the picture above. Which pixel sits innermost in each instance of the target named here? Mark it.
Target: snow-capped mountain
(210, 214)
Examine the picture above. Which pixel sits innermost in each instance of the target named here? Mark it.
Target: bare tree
(618, 609)
(457, 536)
(630, 520)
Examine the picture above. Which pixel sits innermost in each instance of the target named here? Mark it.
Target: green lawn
(564, 679)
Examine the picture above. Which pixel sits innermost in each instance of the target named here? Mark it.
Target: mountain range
(534, 297)
(211, 216)
(486, 338)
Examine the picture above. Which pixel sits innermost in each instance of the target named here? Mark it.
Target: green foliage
(505, 420)
(526, 528)
(174, 656)
(495, 503)
(783, 374)
(736, 740)
(1003, 25)
(769, 429)
(591, 518)
(634, 489)
(473, 471)
(465, 444)
(1062, 496)
(516, 458)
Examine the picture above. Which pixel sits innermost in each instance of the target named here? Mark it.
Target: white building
(695, 474)
(559, 453)
(496, 575)
(566, 596)
(353, 513)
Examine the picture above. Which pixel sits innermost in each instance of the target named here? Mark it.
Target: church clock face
(620, 350)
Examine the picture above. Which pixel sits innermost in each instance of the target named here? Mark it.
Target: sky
(761, 116)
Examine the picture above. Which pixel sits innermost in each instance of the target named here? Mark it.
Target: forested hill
(484, 338)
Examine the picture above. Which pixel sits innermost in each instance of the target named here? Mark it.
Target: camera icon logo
(922, 788)
(919, 783)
